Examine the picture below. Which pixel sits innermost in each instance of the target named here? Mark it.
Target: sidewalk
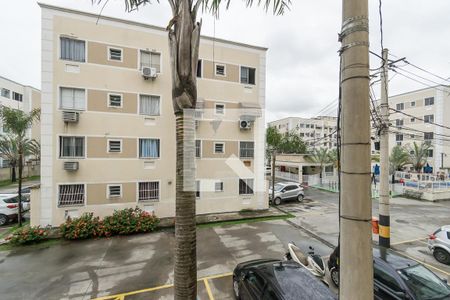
(12, 188)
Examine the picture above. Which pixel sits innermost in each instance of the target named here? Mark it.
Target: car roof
(294, 281)
(391, 258)
(7, 196)
(445, 227)
(288, 183)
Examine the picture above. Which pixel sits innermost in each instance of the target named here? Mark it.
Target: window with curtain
(72, 49)
(245, 186)
(149, 105)
(148, 148)
(246, 149)
(71, 146)
(198, 148)
(248, 75)
(151, 60)
(71, 98)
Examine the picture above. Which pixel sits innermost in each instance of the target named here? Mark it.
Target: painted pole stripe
(208, 289)
(384, 231)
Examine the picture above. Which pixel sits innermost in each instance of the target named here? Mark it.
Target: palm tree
(320, 156)
(398, 159)
(8, 151)
(184, 39)
(17, 123)
(419, 155)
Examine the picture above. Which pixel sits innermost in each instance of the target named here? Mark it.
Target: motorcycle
(312, 262)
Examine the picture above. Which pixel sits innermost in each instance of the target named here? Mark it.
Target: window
(114, 146)
(218, 186)
(71, 194)
(246, 149)
(114, 100)
(114, 190)
(71, 146)
(149, 191)
(399, 122)
(428, 119)
(115, 54)
(430, 152)
(413, 103)
(413, 120)
(199, 68)
(220, 70)
(149, 105)
(245, 186)
(412, 136)
(197, 189)
(400, 106)
(198, 148)
(219, 148)
(17, 96)
(148, 148)
(220, 109)
(385, 278)
(248, 75)
(151, 60)
(428, 136)
(429, 101)
(71, 98)
(399, 137)
(6, 163)
(6, 93)
(72, 49)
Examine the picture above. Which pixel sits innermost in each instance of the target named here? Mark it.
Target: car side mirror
(283, 190)
(445, 281)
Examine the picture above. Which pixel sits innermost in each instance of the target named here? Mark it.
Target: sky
(302, 61)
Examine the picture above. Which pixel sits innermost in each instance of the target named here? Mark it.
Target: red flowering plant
(84, 227)
(29, 235)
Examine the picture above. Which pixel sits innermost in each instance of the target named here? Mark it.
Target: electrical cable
(420, 119)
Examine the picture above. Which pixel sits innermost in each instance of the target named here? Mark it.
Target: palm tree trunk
(13, 173)
(185, 280)
(19, 217)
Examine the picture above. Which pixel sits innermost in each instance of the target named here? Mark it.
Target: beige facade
(318, 132)
(417, 111)
(123, 142)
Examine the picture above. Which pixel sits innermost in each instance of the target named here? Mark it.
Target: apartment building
(108, 128)
(414, 116)
(318, 132)
(22, 97)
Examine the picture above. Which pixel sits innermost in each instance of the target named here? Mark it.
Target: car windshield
(279, 187)
(424, 284)
(10, 200)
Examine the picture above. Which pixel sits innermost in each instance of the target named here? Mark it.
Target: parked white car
(9, 207)
(439, 244)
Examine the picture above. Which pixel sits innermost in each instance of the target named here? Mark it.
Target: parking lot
(141, 266)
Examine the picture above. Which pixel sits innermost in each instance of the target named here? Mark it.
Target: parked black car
(397, 277)
(277, 279)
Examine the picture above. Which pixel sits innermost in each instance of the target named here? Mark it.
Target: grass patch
(12, 229)
(40, 245)
(7, 182)
(244, 221)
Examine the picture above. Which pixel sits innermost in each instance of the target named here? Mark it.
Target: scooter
(312, 262)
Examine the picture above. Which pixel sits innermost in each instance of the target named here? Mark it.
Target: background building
(318, 132)
(108, 128)
(423, 115)
(22, 97)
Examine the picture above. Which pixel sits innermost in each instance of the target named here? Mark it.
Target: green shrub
(84, 227)
(122, 222)
(29, 235)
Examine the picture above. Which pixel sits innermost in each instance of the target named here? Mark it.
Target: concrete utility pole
(356, 262)
(384, 221)
(274, 153)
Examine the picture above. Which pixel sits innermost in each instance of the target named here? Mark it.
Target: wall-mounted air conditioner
(70, 116)
(70, 165)
(245, 124)
(148, 72)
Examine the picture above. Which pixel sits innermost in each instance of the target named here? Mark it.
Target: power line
(418, 81)
(414, 74)
(420, 119)
(423, 70)
(326, 106)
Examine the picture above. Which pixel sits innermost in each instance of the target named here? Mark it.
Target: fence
(287, 176)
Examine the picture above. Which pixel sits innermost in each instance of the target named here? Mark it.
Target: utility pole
(274, 153)
(356, 262)
(384, 220)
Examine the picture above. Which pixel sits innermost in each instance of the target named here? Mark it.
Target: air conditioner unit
(70, 165)
(70, 116)
(148, 72)
(245, 124)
